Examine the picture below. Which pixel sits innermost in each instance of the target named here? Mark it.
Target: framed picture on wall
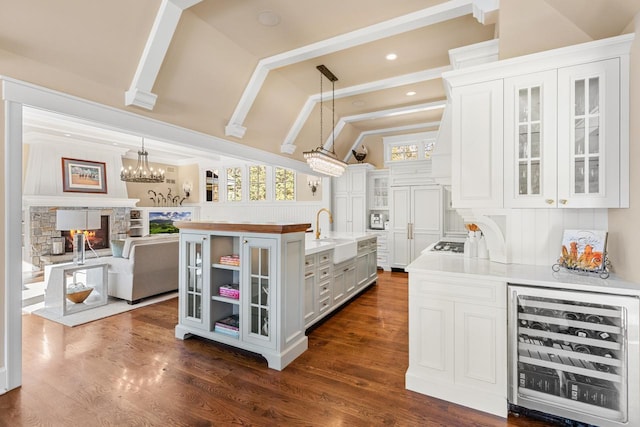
(83, 176)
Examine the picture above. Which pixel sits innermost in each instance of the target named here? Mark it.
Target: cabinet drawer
(366, 245)
(469, 290)
(309, 262)
(324, 273)
(324, 258)
(325, 289)
(324, 304)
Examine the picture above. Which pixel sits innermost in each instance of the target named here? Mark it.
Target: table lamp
(77, 221)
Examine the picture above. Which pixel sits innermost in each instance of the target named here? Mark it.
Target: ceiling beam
(288, 146)
(139, 93)
(442, 12)
(409, 109)
(394, 129)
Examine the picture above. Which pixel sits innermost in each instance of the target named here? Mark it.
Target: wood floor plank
(130, 370)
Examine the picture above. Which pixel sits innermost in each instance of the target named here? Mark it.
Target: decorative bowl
(79, 296)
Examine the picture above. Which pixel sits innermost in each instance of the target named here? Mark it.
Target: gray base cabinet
(243, 288)
(328, 286)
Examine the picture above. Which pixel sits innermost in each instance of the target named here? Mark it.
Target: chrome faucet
(318, 220)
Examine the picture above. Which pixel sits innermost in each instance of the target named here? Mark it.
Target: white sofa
(148, 267)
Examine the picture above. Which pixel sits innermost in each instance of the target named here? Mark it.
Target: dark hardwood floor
(129, 370)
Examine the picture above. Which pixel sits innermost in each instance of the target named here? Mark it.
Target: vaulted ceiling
(245, 70)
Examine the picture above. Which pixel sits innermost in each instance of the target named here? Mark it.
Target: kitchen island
(460, 345)
(338, 266)
(249, 285)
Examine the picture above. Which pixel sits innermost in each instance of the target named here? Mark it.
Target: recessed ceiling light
(391, 57)
(268, 18)
(66, 134)
(411, 93)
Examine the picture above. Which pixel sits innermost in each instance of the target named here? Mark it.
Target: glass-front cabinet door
(193, 293)
(260, 272)
(379, 193)
(530, 140)
(589, 134)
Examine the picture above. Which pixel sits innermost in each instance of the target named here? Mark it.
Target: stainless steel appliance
(575, 355)
(377, 221)
(447, 246)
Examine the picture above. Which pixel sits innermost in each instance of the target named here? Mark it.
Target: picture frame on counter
(584, 251)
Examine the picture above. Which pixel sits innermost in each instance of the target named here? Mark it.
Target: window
(409, 148)
(257, 183)
(404, 152)
(211, 183)
(285, 184)
(234, 184)
(428, 148)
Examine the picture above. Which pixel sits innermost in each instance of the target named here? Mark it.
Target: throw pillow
(116, 248)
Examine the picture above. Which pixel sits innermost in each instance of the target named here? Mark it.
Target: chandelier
(142, 172)
(322, 160)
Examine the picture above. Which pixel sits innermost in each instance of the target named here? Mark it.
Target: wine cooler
(575, 355)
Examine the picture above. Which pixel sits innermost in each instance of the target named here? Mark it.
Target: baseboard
(3, 381)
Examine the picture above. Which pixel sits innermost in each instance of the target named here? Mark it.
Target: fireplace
(98, 239)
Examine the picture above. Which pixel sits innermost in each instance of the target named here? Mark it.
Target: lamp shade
(77, 219)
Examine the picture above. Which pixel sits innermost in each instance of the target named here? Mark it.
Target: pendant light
(142, 172)
(322, 160)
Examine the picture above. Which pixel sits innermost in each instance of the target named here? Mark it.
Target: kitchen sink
(344, 249)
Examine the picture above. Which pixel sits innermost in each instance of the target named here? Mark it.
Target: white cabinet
(382, 249)
(558, 121)
(415, 221)
(530, 148)
(350, 199)
(589, 135)
(136, 223)
(457, 341)
(562, 137)
(477, 152)
(242, 287)
(378, 190)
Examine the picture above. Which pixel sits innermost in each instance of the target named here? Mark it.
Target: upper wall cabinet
(556, 123)
(476, 171)
(562, 137)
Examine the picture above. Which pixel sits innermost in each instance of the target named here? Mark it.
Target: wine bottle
(580, 332)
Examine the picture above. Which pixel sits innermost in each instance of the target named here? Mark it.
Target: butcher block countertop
(246, 227)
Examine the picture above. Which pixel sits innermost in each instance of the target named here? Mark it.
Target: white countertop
(531, 275)
(313, 245)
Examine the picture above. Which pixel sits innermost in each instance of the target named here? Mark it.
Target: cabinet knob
(563, 201)
(245, 241)
(549, 201)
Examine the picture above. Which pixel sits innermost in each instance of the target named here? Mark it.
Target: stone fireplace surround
(42, 228)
